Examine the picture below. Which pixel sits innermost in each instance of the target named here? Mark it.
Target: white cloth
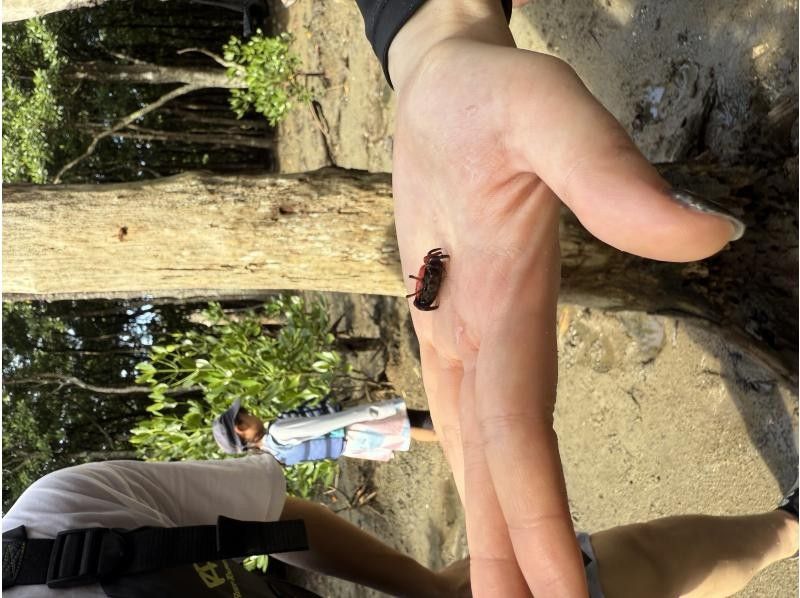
(131, 494)
(294, 430)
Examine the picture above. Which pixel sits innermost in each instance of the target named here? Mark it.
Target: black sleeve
(384, 18)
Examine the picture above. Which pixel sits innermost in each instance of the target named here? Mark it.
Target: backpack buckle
(83, 556)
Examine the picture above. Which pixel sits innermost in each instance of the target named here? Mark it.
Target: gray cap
(224, 431)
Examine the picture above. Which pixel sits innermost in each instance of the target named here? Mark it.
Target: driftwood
(203, 235)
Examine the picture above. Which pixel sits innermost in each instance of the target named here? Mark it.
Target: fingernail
(708, 206)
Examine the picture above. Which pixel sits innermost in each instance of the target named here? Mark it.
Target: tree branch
(194, 116)
(92, 420)
(218, 139)
(118, 351)
(64, 380)
(124, 57)
(215, 57)
(175, 93)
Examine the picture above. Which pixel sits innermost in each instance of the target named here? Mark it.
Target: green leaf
(145, 367)
(192, 420)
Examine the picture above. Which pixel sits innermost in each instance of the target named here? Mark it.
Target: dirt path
(654, 418)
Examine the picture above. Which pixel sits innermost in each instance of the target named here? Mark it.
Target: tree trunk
(215, 138)
(201, 235)
(154, 74)
(19, 10)
(194, 117)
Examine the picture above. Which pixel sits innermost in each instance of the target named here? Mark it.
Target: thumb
(583, 154)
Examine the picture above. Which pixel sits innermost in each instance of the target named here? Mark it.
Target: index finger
(442, 380)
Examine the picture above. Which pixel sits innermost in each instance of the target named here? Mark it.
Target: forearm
(340, 549)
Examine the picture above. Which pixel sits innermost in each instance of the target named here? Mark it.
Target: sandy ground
(654, 417)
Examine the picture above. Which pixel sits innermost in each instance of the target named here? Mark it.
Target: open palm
(487, 136)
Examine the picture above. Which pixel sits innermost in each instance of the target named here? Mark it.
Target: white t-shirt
(131, 494)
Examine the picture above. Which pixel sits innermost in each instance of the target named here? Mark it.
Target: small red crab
(429, 279)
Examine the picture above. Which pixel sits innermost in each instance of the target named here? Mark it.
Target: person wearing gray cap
(224, 430)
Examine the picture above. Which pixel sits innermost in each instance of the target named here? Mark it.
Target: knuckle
(523, 522)
(495, 426)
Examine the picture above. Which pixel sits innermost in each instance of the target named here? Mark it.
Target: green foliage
(22, 429)
(50, 118)
(49, 422)
(31, 111)
(41, 327)
(271, 72)
(233, 359)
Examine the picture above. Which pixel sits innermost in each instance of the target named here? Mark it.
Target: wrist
(438, 21)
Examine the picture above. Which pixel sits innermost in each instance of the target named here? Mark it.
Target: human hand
(486, 137)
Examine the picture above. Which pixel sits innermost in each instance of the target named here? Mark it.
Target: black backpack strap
(308, 408)
(85, 556)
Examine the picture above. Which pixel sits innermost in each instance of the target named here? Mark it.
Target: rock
(646, 331)
(670, 116)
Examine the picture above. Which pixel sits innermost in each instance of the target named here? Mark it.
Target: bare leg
(692, 555)
(423, 435)
(421, 425)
